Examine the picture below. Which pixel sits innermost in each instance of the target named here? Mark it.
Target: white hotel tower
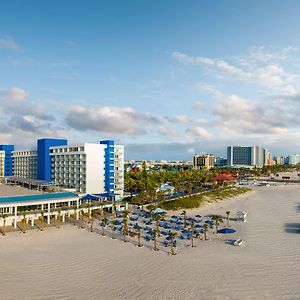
(89, 168)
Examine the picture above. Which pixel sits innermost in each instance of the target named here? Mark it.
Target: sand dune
(75, 264)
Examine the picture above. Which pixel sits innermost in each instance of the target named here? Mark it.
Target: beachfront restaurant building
(61, 205)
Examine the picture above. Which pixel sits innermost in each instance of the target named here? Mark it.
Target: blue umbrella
(226, 230)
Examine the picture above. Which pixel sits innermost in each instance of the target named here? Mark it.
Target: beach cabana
(159, 211)
(88, 197)
(241, 216)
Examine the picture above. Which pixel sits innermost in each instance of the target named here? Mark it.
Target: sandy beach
(70, 263)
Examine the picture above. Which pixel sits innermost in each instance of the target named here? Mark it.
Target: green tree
(217, 219)
(157, 218)
(113, 226)
(192, 234)
(103, 224)
(125, 224)
(93, 214)
(172, 236)
(4, 217)
(154, 235)
(184, 218)
(139, 235)
(42, 219)
(205, 230)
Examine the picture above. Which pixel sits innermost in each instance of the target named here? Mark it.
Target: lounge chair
(238, 242)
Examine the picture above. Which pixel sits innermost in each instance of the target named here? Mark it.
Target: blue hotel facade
(8, 162)
(43, 157)
(109, 165)
(44, 163)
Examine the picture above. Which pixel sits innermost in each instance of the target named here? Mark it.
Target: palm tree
(24, 213)
(205, 229)
(93, 214)
(218, 219)
(184, 218)
(103, 224)
(157, 218)
(125, 223)
(75, 213)
(154, 235)
(113, 224)
(172, 236)
(139, 235)
(58, 216)
(88, 206)
(42, 220)
(192, 232)
(82, 215)
(151, 208)
(4, 216)
(228, 213)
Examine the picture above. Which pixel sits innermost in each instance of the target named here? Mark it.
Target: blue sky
(165, 78)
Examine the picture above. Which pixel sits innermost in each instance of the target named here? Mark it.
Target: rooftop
(40, 197)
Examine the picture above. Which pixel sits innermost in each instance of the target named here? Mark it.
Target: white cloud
(8, 43)
(197, 132)
(125, 121)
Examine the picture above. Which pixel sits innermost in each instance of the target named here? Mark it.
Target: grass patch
(198, 200)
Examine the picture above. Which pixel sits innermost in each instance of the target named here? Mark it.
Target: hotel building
(86, 168)
(25, 164)
(203, 161)
(244, 156)
(8, 164)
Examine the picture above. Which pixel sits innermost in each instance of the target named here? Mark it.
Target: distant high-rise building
(294, 159)
(279, 160)
(245, 156)
(220, 162)
(268, 158)
(207, 161)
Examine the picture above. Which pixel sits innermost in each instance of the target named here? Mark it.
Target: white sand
(75, 264)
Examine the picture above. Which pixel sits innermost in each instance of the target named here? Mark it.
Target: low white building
(30, 208)
(25, 164)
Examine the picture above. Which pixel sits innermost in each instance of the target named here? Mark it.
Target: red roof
(225, 177)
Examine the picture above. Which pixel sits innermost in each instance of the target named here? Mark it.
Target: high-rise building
(268, 158)
(245, 156)
(43, 156)
(294, 159)
(220, 162)
(25, 164)
(8, 164)
(87, 168)
(279, 160)
(201, 161)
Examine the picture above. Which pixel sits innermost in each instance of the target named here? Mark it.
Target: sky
(167, 79)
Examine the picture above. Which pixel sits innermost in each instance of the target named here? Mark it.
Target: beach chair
(238, 242)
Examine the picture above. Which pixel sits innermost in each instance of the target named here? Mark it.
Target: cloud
(268, 73)
(20, 117)
(8, 43)
(64, 63)
(197, 132)
(119, 120)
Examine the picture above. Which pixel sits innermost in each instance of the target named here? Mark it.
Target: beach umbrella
(226, 230)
